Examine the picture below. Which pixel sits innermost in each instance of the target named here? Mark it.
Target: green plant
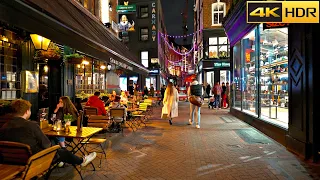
(71, 56)
(67, 117)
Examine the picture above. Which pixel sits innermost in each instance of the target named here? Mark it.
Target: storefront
(272, 79)
(22, 70)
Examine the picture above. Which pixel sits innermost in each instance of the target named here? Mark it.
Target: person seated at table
(114, 93)
(124, 98)
(94, 101)
(21, 130)
(105, 100)
(116, 104)
(65, 106)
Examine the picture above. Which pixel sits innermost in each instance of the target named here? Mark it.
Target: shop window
(144, 11)
(145, 58)
(144, 34)
(219, 48)
(237, 76)
(274, 74)
(9, 71)
(218, 12)
(248, 71)
(84, 78)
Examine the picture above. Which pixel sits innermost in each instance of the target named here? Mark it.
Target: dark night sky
(172, 10)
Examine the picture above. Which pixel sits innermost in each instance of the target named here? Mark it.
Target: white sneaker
(60, 164)
(198, 126)
(88, 158)
(190, 122)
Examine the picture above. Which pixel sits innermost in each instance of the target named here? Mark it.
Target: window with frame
(144, 34)
(9, 70)
(218, 12)
(145, 58)
(219, 47)
(144, 11)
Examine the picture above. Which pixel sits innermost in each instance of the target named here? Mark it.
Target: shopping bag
(164, 114)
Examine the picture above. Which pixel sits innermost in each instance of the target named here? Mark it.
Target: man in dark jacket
(21, 130)
(94, 101)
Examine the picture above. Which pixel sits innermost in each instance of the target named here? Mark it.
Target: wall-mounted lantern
(39, 42)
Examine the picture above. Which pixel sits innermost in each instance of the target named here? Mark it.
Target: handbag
(164, 114)
(196, 100)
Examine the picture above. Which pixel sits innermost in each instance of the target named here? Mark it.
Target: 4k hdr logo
(282, 11)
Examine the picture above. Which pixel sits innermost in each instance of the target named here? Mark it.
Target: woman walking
(170, 102)
(195, 90)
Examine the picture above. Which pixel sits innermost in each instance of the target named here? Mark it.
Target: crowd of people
(220, 95)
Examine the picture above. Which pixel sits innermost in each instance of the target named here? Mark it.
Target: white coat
(171, 102)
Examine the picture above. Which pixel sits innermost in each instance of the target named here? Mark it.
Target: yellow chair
(140, 114)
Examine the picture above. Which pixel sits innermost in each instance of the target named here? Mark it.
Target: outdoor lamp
(39, 42)
(109, 67)
(103, 67)
(85, 62)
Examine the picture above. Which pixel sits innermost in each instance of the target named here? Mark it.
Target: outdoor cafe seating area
(90, 133)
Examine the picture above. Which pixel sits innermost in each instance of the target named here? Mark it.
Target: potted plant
(53, 53)
(74, 58)
(67, 119)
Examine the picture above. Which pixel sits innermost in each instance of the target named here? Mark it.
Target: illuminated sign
(283, 12)
(126, 7)
(153, 22)
(274, 25)
(154, 71)
(221, 64)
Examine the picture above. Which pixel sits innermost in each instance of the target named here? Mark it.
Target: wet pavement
(223, 148)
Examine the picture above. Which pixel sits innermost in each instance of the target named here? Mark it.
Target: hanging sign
(126, 8)
(153, 22)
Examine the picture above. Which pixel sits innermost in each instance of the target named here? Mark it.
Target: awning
(68, 23)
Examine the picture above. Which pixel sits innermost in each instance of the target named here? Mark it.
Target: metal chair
(117, 116)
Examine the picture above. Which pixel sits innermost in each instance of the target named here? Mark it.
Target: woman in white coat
(170, 100)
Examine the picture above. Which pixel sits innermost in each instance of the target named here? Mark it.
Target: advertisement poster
(124, 24)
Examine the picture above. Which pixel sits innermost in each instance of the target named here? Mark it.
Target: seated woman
(124, 98)
(116, 104)
(65, 106)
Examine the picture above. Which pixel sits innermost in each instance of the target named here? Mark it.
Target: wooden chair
(102, 122)
(88, 110)
(117, 116)
(40, 163)
(20, 154)
(14, 153)
(99, 121)
(140, 114)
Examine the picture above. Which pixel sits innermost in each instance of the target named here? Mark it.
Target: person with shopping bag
(195, 98)
(170, 103)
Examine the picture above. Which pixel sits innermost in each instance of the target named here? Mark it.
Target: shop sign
(123, 65)
(153, 22)
(154, 71)
(221, 64)
(126, 7)
(274, 25)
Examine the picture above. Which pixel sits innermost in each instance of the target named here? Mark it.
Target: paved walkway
(224, 148)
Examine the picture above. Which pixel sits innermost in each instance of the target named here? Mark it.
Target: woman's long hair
(169, 89)
(68, 107)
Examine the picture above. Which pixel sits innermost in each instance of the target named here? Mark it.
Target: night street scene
(159, 90)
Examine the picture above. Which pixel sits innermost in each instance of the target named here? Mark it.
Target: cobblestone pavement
(224, 148)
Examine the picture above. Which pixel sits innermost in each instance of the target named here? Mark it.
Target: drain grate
(228, 119)
(252, 136)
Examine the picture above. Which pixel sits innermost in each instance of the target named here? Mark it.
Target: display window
(260, 75)
(237, 76)
(274, 74)
(90, 76)
(248, 62)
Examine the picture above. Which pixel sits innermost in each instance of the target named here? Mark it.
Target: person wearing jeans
(216, 90)
(195, 90)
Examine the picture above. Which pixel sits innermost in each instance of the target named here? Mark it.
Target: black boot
(170, 121)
